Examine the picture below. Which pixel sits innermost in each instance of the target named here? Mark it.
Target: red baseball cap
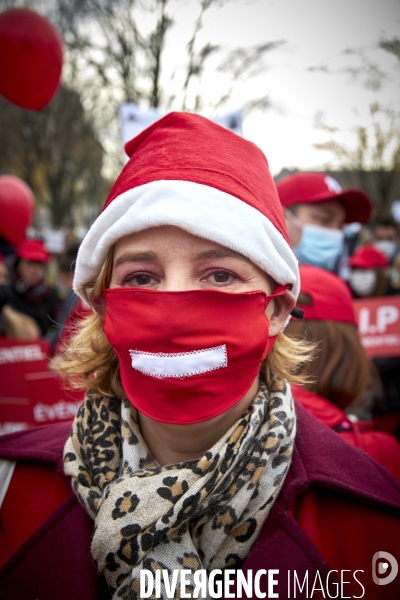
(368, 257)
(307, 188)
(33, 250)
(331, 299)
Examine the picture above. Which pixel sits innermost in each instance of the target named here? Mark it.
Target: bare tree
(115, 52)
(242, 64)
(374, 163)
(391, 45)
(56, 152)
(196, 59)
(155, 49)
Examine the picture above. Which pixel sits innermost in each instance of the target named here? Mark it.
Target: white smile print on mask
(179, 364)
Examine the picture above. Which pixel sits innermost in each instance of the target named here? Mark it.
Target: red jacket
(383, 447)
(337, 509)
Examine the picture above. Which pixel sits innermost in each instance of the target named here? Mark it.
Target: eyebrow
(135, 257)
(219, 253)
(151, 256)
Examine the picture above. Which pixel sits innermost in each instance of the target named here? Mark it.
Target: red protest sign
(379, 325)
(51, 401)
(16, 360)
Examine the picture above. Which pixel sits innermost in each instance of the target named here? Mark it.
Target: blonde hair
(341, 371)
(88, 359)
(19, 326)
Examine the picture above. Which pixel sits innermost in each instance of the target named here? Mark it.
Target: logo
(333, 185)
(384, 563)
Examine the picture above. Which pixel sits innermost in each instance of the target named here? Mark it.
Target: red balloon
(31, 53)
(17, 205)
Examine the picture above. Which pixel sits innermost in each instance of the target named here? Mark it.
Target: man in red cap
(316, 208)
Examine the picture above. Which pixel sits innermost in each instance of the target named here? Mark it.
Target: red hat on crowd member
(33, 250)
(368, 257)
(307, 188)
(187, 171)
(331, 299)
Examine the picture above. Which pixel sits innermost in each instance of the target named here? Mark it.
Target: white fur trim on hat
(199, 209)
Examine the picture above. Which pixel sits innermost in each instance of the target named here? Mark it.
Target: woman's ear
(281, 306)
(99, 304)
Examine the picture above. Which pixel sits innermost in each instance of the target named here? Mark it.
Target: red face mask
(187, 357)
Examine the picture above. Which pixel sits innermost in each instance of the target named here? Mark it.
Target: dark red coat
(336, 509)
(381, 446)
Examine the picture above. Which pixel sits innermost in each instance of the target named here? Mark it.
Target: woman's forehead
(166, 239)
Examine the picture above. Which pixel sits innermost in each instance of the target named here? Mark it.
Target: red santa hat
(187, 171)
(368, 257)
(330, 297)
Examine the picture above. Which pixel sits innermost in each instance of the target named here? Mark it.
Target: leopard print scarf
(200, 514)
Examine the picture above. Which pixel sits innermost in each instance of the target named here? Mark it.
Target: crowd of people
(336, 229)
(231, 421)
(36, 296)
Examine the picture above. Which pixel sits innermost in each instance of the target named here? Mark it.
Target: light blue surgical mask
(319, 246)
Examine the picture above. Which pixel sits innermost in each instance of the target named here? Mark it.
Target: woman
(30, 294)
(342, 381)
(183, 453)
(13, 324)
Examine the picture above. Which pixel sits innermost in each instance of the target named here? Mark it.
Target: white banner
(134, 119)
(232, 121)
(54, 240)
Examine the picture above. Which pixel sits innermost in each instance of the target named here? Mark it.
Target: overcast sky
(309, 74)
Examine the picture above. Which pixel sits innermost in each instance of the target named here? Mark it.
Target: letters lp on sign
(379, 325)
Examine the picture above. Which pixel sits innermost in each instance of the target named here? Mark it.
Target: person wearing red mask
(188, 454)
